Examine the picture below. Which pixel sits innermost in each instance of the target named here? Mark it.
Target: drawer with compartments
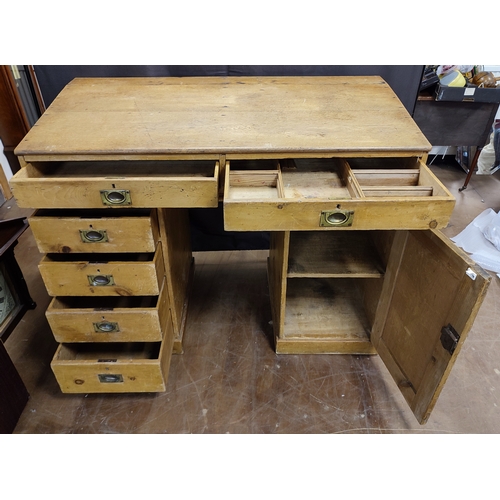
(334, 193)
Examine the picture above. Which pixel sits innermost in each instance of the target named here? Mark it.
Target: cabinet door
(431, 295)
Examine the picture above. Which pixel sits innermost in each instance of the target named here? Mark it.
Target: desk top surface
(224, 115)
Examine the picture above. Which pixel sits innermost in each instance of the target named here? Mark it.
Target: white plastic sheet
(473, 240)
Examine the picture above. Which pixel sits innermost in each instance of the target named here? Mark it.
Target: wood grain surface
(231, 115)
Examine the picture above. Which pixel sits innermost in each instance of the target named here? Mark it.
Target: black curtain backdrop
(404, 79)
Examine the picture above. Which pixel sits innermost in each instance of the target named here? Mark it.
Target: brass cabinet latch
(449, 338)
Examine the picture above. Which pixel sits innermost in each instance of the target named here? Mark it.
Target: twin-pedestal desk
(333, 167)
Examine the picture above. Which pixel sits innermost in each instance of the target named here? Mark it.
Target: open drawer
(335, 193)
(99, 230)
(118, 274)
(114, 367)
(98, 184)
(109, 319)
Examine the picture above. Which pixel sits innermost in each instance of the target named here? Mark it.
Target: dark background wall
(207, 228)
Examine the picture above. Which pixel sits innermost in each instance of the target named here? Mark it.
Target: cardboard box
(469, 93)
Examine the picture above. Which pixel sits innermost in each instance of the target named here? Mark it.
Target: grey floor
(229, 380)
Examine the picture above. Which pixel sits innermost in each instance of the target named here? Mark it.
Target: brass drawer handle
(93, 235)
(116, 197)
(106, 327)
(101, 279)
(108, 378)
(336, 218)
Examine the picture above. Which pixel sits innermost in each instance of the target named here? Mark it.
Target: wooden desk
(334, 167)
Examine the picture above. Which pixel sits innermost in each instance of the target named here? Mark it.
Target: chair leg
(471, 169)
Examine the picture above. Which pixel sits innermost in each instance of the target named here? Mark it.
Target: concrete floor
(229, 380)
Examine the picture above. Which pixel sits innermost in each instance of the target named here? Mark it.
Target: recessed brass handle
(93, 235)
(336, 218)
(106, 327)
(101, 279)
(116, 197)
(109, 378)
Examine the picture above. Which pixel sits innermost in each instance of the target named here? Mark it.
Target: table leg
(471, 168)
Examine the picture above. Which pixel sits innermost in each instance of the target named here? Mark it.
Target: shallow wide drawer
(103, 274)
(334, 193)
(114, 367)
(82, 231)
(117, 184)
(109, 319)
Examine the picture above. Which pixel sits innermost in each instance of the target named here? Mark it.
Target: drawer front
(114, 368)
(141, 276)
(330, 195)
(84, 231)
(121, 186)
(109, 319)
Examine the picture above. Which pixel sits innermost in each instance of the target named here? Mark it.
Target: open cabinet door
(431, 294)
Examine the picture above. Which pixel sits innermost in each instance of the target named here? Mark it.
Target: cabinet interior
(326, 285)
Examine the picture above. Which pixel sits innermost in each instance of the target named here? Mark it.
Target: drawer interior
(255, 184)
(121, 169)
(101, 258)
(332, 179)
(394, 177)
(98, 213)
(109, 352)
(103, 303)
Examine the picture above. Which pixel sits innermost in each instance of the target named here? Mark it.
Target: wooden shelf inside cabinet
(325, 308)
(337, 254)
(325, 287)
